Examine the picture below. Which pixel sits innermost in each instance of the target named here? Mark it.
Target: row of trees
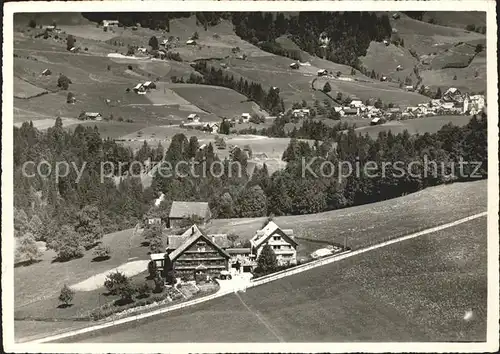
(72, 212)
(289, 191)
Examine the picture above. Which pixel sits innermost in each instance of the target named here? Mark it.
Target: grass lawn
(416, 290)
(220, 101)
(370, 223)
(44, 280)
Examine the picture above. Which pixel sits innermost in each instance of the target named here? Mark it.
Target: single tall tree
(66, 295)
(153, 43)
(267, 261)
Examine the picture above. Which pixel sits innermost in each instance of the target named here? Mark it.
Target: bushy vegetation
(116, 282)
(63, 82)
(66, 295)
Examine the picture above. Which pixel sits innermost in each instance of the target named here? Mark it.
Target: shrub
(115, 281)
(159, 284)
(67, 243)
(144, 290)
(70, 42)
(66, 295)
(102, 252)
(70, 98)
(156, 245)
(28, 249)
(63, 82)
(32, 23)
(152, 269)
(126, 292)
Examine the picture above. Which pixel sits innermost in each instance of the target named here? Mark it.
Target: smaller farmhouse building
(182, 211)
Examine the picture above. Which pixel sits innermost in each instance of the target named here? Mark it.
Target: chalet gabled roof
(192, 239)
(263, 234)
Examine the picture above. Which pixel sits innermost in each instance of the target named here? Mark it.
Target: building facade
(280, 241)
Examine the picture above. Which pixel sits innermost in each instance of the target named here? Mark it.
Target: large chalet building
(194, 252)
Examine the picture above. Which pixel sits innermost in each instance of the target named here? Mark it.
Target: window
(276, 238)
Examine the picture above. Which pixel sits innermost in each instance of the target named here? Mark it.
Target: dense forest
(75, 210)
(337, 36)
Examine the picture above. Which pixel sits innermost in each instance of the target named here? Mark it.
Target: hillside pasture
(458, 19)
(473, 78)
(387, 92)
(23, 89)
(416, 290)
(371, 223)
(274, 71)
(457, 56)
(384, 60)
(220, 101)
(414, 126)
(425, 38)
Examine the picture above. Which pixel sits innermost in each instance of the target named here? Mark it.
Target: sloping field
(457, 56)
(427, 38)
(220, 101)
(23, 89)
(473, 78)
(432, 288)
(48, 18)
(388, 93)
(384, 60)
(414, 126)
(370, 223)
(45, 279)
(458, 19)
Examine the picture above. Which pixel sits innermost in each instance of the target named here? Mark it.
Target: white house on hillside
(356, 103)
(193, 117)
(245, 117)
(281, 242)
